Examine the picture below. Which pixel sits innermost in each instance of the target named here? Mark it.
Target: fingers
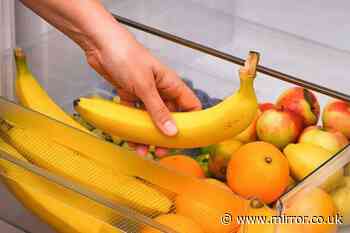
(171, 106)
(187, 100)
(157, 109)
(127, 98)
(140, 149)
(176, 91)
(161, 152)
(143, 150)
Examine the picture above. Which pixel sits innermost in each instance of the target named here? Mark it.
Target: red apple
(302, 102)
(220, 155)
(336, 115)
(266, 106)
(279, 127)
(330, 140)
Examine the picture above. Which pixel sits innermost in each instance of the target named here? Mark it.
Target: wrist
(104, 36)
(114, 33)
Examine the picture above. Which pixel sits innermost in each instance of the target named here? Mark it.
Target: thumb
(159, 112)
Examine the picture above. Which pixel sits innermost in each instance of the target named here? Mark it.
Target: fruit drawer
(291, 157)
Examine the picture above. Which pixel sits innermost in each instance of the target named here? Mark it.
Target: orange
(183, 164)
(215, 211)
(175, 222)
(258, 170)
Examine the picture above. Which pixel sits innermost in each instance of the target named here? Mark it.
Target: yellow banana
(31, 95)
(196, 129)
(62, 217)
(72, 165)
(51, 202)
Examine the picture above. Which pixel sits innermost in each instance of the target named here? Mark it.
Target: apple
(279, 127)
(302, 102)
(330, 140)
(249, 134)
(220, 155)
(336, 115)
(266, 106)
(308, 203)
(341, 198)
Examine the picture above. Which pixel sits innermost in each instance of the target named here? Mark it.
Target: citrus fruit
(183, 164)
(258, 170)
(216, 212)
(176, 222)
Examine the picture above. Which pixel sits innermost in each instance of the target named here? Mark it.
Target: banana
(196, 129)
(72, 165)
(31, 95)
(62, 217)
(49, 201)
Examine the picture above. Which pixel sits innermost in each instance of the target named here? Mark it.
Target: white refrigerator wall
(7, 41)
(297, 37)
(28, 25)
(325, 22)
(16, 22)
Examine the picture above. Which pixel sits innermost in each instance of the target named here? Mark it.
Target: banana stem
(247, 73)
(21, 61)
(250, 65)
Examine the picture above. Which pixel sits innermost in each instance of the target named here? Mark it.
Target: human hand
(115, 54)
(141, 78)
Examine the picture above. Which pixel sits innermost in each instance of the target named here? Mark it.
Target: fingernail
(161, 152)
(141, 150)
(170, 128)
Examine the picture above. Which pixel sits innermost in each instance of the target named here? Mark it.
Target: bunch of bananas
(52, 203)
